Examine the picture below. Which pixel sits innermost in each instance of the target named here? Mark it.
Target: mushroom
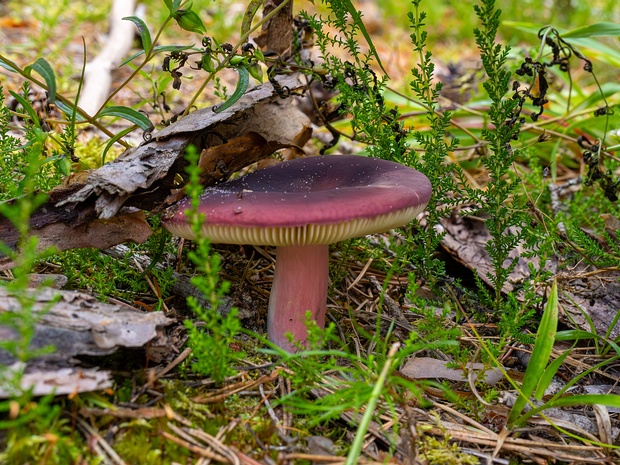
(301, 206)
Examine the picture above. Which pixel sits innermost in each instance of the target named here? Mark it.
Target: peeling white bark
(98, 72)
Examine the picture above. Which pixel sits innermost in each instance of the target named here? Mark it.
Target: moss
(442, 452)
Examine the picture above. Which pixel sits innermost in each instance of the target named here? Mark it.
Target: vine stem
(358, 442)
(225, 62)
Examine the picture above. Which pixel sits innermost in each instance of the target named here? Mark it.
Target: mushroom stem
(299, 285)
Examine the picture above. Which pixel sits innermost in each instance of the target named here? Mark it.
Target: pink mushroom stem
(299, 285)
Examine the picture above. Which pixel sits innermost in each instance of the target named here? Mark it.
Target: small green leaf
(112, 141)
(157, 49)
(173, 6)
(64, 165)
(248, 16)
(27, 106)
(206, 63)
(36, 144)
(259, 55)
(238, 60)
(132, 57)
(256, 71)
(242, 85)
(143, 30)
(137, 118)
(7, 66)
(190, 21)
(601, 29)
(69, 111)
(42, 67)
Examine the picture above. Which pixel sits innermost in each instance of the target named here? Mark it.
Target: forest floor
(146, 405)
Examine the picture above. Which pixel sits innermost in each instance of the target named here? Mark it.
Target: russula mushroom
(301, 206)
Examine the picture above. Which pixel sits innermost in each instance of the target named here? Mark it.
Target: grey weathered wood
(76, 323)
(148, 171)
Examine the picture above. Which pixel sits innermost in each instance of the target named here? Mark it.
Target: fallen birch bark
(61, 381)
(98, 72)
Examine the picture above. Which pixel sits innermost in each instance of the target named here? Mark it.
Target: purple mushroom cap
(301, 206)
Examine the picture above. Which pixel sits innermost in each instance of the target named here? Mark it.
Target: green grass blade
(8, 65)
(69, 111)
(248, 16)
(576, 379)
(610, 400)
(602, 29)
(143, 30)
(27, 106)
(358, 442)
(548, 375)
(578, 334)
(357, 20)
(112, 141)
(242, 85)
(613, 324)
(573, 334)
(545, 338)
